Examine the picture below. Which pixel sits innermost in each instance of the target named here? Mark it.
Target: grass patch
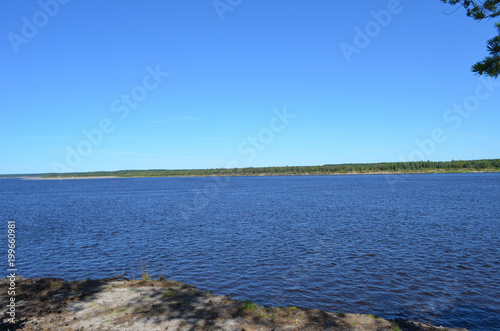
(395, 326)
(162, 275)
(341, 314)
(120, 311)
(145, 271)
(248, 304)
(170, 294)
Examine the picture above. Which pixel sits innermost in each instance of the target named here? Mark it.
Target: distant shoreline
(62, 177)
(258, 175)
(384, 168)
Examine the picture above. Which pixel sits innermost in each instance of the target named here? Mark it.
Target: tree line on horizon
(386, 167)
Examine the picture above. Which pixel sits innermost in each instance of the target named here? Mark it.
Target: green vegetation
(329, 169)
(170, 293)
(395, 326)
(145, 271)
(268, 316)
(480, 10)
(162, 276)
(248, 304)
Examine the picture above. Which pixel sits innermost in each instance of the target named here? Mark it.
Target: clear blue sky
(68, 69)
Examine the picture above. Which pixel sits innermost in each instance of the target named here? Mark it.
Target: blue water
(425, 247)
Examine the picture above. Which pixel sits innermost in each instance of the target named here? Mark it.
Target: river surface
(425, 247)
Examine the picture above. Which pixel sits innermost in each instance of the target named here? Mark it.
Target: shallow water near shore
(425, 247)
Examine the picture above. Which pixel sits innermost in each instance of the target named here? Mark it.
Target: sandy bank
(115, 304)
(58, 178)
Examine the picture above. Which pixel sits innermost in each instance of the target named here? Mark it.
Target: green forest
(329, 169)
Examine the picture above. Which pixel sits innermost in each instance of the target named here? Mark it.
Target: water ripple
(427, 247)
